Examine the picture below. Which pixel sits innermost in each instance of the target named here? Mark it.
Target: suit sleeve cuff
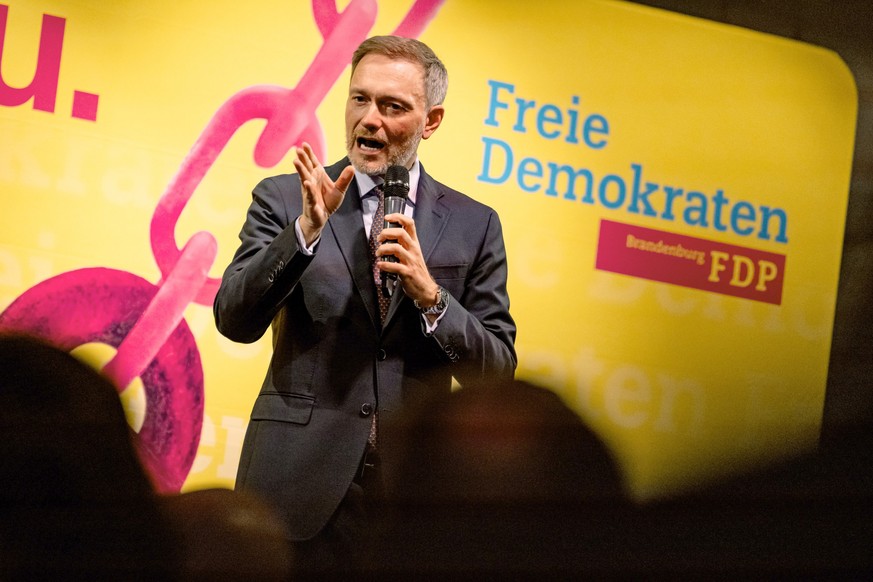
(301, 242)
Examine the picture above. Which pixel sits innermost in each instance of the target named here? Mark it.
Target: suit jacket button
(381, 355)
(366, 409)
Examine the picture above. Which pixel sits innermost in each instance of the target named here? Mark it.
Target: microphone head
(397, 182)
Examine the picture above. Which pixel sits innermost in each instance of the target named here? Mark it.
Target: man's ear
(433, 120)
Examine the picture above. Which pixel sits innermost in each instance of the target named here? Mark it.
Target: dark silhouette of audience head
(74, 501)
(512, 442)
(500, 480)
(76, 504)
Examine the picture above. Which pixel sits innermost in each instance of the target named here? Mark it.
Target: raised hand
(321, 195)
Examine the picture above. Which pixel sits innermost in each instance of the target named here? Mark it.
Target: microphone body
(396, 193)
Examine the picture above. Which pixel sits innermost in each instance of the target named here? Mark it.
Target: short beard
(405, 153)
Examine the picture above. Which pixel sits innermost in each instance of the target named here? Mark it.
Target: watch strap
(442, 301)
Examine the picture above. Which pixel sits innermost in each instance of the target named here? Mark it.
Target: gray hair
(436, 78)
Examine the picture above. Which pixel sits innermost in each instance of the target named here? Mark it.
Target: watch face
(441, 304)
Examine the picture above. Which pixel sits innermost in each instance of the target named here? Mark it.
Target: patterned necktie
(375, 229)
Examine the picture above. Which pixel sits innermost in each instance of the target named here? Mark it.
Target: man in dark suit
(304, 267)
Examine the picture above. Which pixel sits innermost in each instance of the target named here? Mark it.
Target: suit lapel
(431, 215)
(347, 228)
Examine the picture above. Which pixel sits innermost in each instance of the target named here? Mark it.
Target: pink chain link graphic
(145, 321)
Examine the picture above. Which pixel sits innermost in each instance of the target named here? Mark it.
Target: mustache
(370, 135)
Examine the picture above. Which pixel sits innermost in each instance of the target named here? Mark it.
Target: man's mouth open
(369, 146)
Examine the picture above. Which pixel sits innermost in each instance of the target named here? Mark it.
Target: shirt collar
(366, 183)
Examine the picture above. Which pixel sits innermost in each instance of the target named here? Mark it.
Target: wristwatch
(442, 301)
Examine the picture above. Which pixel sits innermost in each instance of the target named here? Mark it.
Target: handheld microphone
(396, 192)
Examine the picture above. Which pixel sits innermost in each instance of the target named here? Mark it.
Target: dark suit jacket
(332, 363)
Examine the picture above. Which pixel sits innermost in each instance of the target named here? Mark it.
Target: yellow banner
(673, 193)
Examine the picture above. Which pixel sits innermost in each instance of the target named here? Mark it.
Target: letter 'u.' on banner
(673, 195)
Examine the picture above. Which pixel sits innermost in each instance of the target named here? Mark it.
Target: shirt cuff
(301, 242)
(429, 327)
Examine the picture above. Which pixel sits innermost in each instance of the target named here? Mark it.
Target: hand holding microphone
(396, 193)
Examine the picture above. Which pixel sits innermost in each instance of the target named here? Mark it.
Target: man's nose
(372, 117)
